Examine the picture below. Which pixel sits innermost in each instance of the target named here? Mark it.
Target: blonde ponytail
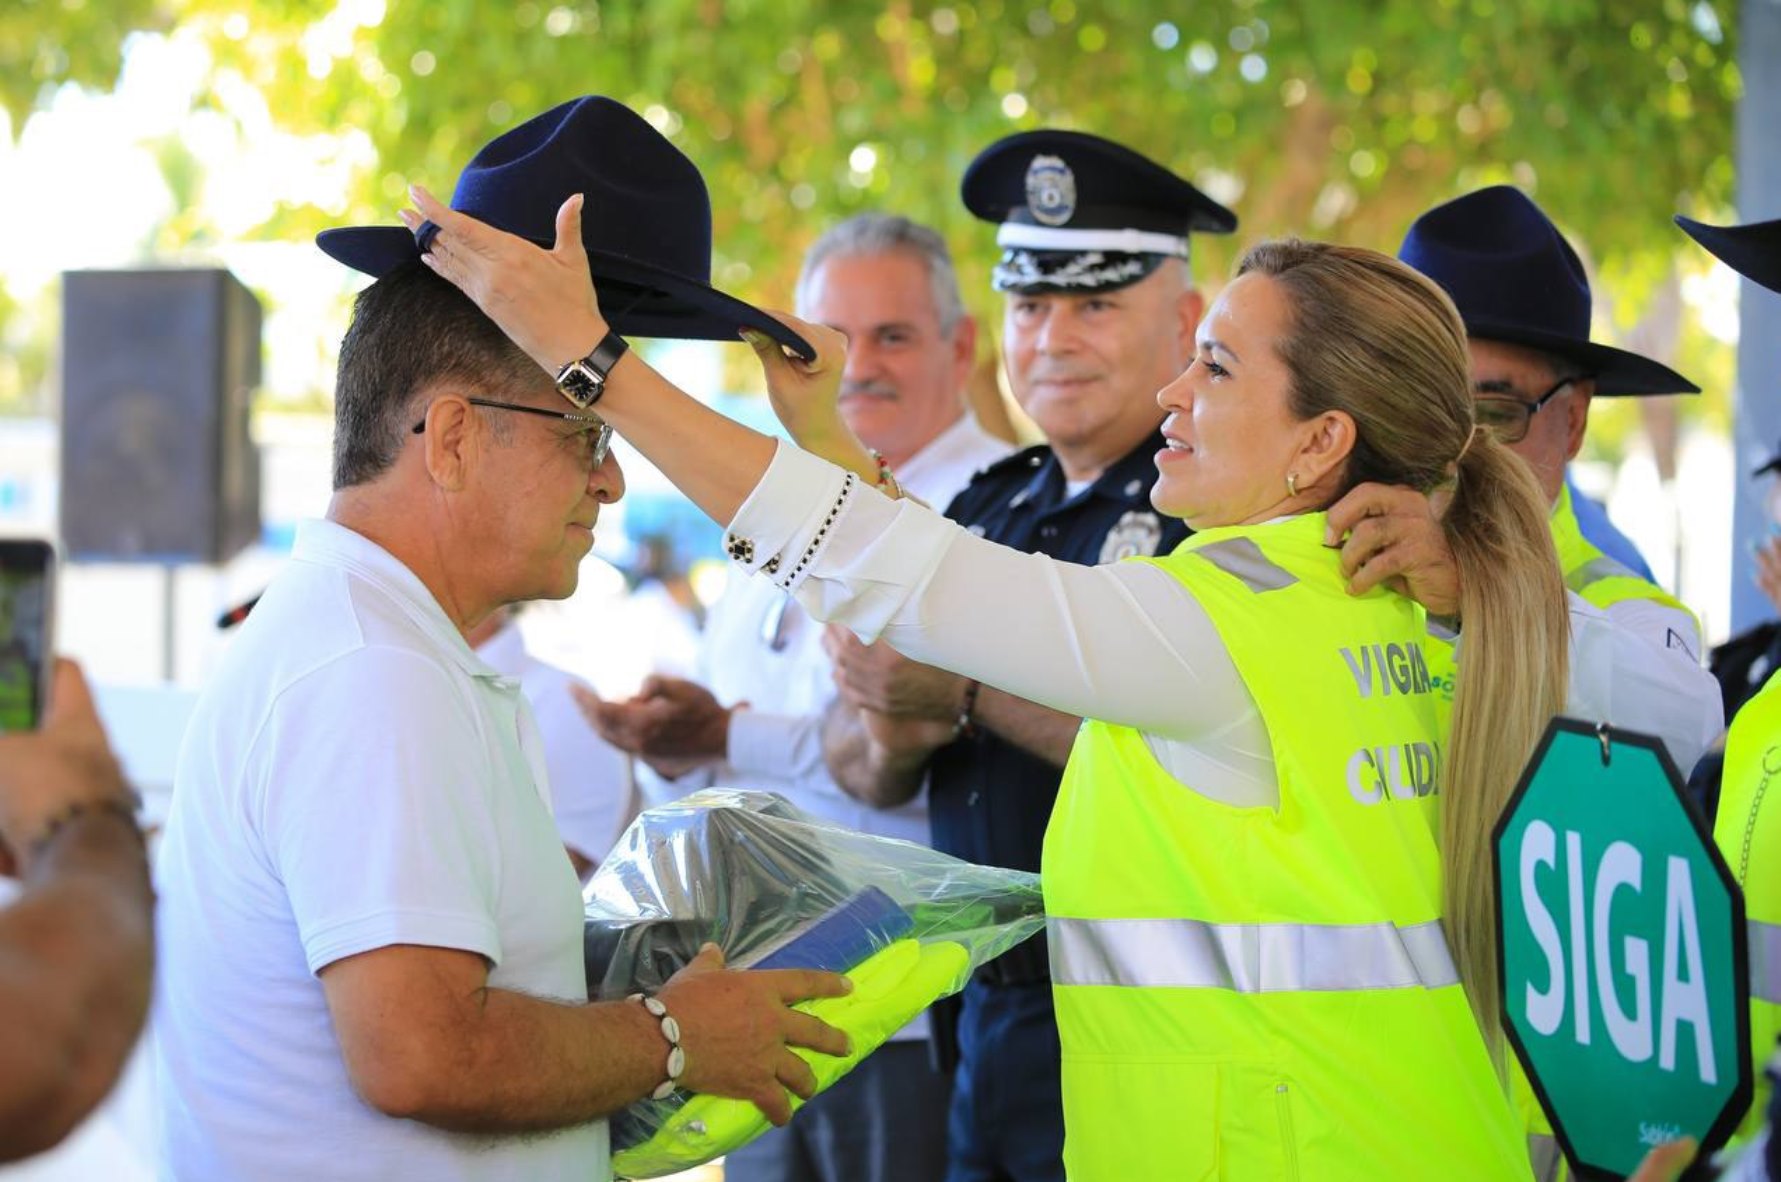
(1513, 657)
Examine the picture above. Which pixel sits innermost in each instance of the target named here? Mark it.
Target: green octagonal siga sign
(1622, 958)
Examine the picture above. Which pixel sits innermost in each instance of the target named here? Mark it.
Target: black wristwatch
(582, 382)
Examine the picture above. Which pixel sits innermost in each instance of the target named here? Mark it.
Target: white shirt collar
(964, 440)
(330, 544)
(505, 651)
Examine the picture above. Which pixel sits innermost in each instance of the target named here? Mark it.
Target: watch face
(580, 385)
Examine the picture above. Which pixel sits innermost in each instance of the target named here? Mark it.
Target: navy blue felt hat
(1082, 213)
(1515, 279)
(646, 221)
(1753, 251)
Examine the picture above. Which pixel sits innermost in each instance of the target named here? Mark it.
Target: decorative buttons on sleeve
(743, 551)
(828, 523)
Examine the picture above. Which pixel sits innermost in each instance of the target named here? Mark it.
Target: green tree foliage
(44, 43)
(1337, 119)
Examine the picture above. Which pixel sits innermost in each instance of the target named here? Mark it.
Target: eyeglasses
(593, 425)
(1509, 418)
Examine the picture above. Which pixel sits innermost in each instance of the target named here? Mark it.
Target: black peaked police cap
(1515, 279)
(646, 221)
(1753, 251)
(1081, 213)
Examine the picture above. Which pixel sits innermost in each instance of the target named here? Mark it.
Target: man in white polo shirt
(371, 936)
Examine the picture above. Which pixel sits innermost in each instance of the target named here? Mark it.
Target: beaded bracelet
(120, 807)
(887, 480)
(962, 725)
(671, 1032)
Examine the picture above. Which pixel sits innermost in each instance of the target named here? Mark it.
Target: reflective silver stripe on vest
(1765, 961)
(1544, 1154)
(1248, 957)
(1597, 569)
(1442, 630)
(1243, 559)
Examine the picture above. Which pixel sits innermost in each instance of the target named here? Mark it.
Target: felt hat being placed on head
(646, 221)
(1753, 251)
(1080, 213)
(1515, 279)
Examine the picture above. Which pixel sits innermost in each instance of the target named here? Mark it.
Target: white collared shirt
(941, 470)
(353, 777)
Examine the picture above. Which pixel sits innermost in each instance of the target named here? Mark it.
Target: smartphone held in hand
(27, 596)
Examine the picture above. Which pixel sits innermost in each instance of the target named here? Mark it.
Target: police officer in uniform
(1100, 314)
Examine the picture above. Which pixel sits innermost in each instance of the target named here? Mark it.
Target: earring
(1292, 484)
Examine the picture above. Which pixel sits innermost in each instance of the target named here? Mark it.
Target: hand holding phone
(66, 763)
(27, 600)
(53, 753)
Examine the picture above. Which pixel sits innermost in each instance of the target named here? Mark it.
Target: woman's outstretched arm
(1125, 644)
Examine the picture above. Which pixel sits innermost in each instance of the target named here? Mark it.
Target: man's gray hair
(883, 233)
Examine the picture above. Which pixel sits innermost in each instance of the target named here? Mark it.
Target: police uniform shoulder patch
(1051, 190)
(991, 485)
(1135, 535)
(1023, 461)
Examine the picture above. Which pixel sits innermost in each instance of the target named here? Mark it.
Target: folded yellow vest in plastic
(889, 988)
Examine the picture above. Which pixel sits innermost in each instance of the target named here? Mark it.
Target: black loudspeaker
(158, 367)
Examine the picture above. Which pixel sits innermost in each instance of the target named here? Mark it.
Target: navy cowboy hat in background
(646, 222)
(1515, 279)
(1753, 251)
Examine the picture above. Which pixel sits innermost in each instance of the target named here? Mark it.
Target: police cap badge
(1051, 190)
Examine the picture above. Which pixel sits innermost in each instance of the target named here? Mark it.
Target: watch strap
(606, 353)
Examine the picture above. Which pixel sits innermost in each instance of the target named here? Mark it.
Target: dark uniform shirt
(989, 800)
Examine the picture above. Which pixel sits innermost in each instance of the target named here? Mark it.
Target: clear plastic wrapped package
(776, 888)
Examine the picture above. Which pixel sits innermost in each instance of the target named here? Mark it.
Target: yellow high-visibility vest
(1598, 578)
(1256, 992)
(1748, 833)
(891, 986)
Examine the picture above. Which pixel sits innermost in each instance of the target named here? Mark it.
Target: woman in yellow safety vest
(1267, 874)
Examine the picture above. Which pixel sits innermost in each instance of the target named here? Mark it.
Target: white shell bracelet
(671, 1032)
